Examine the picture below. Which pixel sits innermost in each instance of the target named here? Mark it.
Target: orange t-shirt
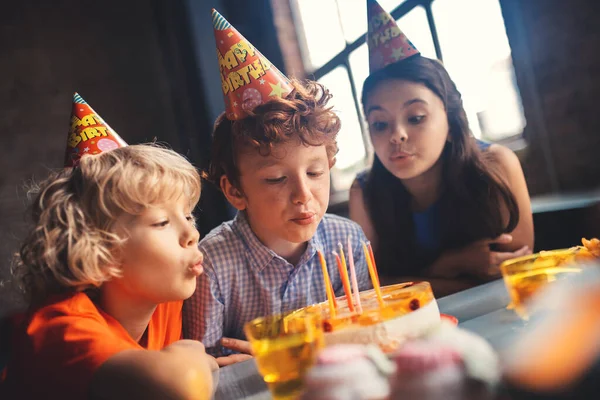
(59, 347)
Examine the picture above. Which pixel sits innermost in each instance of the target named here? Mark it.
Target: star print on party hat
(387, 44)
(248, 79)
(88, 134)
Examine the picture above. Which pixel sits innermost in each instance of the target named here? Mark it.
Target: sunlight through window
(473, 43)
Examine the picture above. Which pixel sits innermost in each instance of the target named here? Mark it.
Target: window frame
(342, 59)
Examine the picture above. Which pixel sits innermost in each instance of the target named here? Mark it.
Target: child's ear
(233, 194)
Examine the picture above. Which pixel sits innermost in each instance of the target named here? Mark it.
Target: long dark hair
(473, 193)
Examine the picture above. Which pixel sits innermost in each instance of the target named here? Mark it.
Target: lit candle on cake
(344, 277)
(345, 267)
(332, 294)
(373, 275)
(328, 287)
(373, 261)
(353, 277)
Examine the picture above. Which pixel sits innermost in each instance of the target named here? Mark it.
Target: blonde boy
(111, 256)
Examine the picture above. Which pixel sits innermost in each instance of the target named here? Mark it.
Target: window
(468, 35)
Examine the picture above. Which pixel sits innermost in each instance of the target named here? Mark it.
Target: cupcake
(480, 360)
(349, 372)
(447, 363)
(427, 370)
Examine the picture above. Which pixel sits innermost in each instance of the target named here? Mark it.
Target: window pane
(353, 14)
(350, 141)
(477, 56)
(415, 26)
(319, 27)
(389, 5)
(359, 65)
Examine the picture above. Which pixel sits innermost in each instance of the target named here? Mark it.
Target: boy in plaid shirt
(271, 157)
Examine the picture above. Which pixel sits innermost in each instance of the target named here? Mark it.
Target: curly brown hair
(73, 245)
(303, 114)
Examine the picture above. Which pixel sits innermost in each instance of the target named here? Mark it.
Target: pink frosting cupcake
(349, 372)
(448, 364)
(428, 370)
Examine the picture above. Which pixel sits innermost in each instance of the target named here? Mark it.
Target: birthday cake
(405, 311)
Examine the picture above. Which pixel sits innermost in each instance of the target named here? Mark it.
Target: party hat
(89, 134)
(387, 44)
(248, 79)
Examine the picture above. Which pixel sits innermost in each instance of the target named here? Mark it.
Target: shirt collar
(315, 243)
(260, 254)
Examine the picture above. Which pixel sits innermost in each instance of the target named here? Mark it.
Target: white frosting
(391, 333)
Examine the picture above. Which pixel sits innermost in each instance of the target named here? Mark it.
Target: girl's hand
(476, 259)
(498, 257)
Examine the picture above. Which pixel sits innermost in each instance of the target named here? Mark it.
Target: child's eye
(315, 174)
(273, 181)
(379, 126)
(417, 119)
(190, 218)
(161, 223)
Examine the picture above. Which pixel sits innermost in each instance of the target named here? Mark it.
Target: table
(481, 309)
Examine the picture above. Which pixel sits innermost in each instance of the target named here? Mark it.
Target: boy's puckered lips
(197, 267)
(305, 218)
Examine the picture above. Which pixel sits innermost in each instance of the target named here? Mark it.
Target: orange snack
(590, 249)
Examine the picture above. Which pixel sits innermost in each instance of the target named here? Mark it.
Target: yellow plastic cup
(285, 347)
(525, 276)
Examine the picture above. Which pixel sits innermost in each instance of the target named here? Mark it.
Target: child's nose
(399, 135)
(190, 237)
(301, 193)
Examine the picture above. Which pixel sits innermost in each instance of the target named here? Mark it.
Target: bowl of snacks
(525, 276)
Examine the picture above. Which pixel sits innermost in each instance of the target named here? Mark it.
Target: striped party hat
(387, 44)
(248, 79)
(88, 134)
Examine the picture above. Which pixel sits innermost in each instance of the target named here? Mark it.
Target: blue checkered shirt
(243, 279)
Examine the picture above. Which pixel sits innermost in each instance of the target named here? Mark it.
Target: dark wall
(254, 20)
(555, 52)
(131, 60)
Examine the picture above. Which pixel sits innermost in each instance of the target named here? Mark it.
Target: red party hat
(248, 79)
(387, 44)
(89, 134)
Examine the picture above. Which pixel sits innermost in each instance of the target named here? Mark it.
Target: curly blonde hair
(303, 114)
(73, 245)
